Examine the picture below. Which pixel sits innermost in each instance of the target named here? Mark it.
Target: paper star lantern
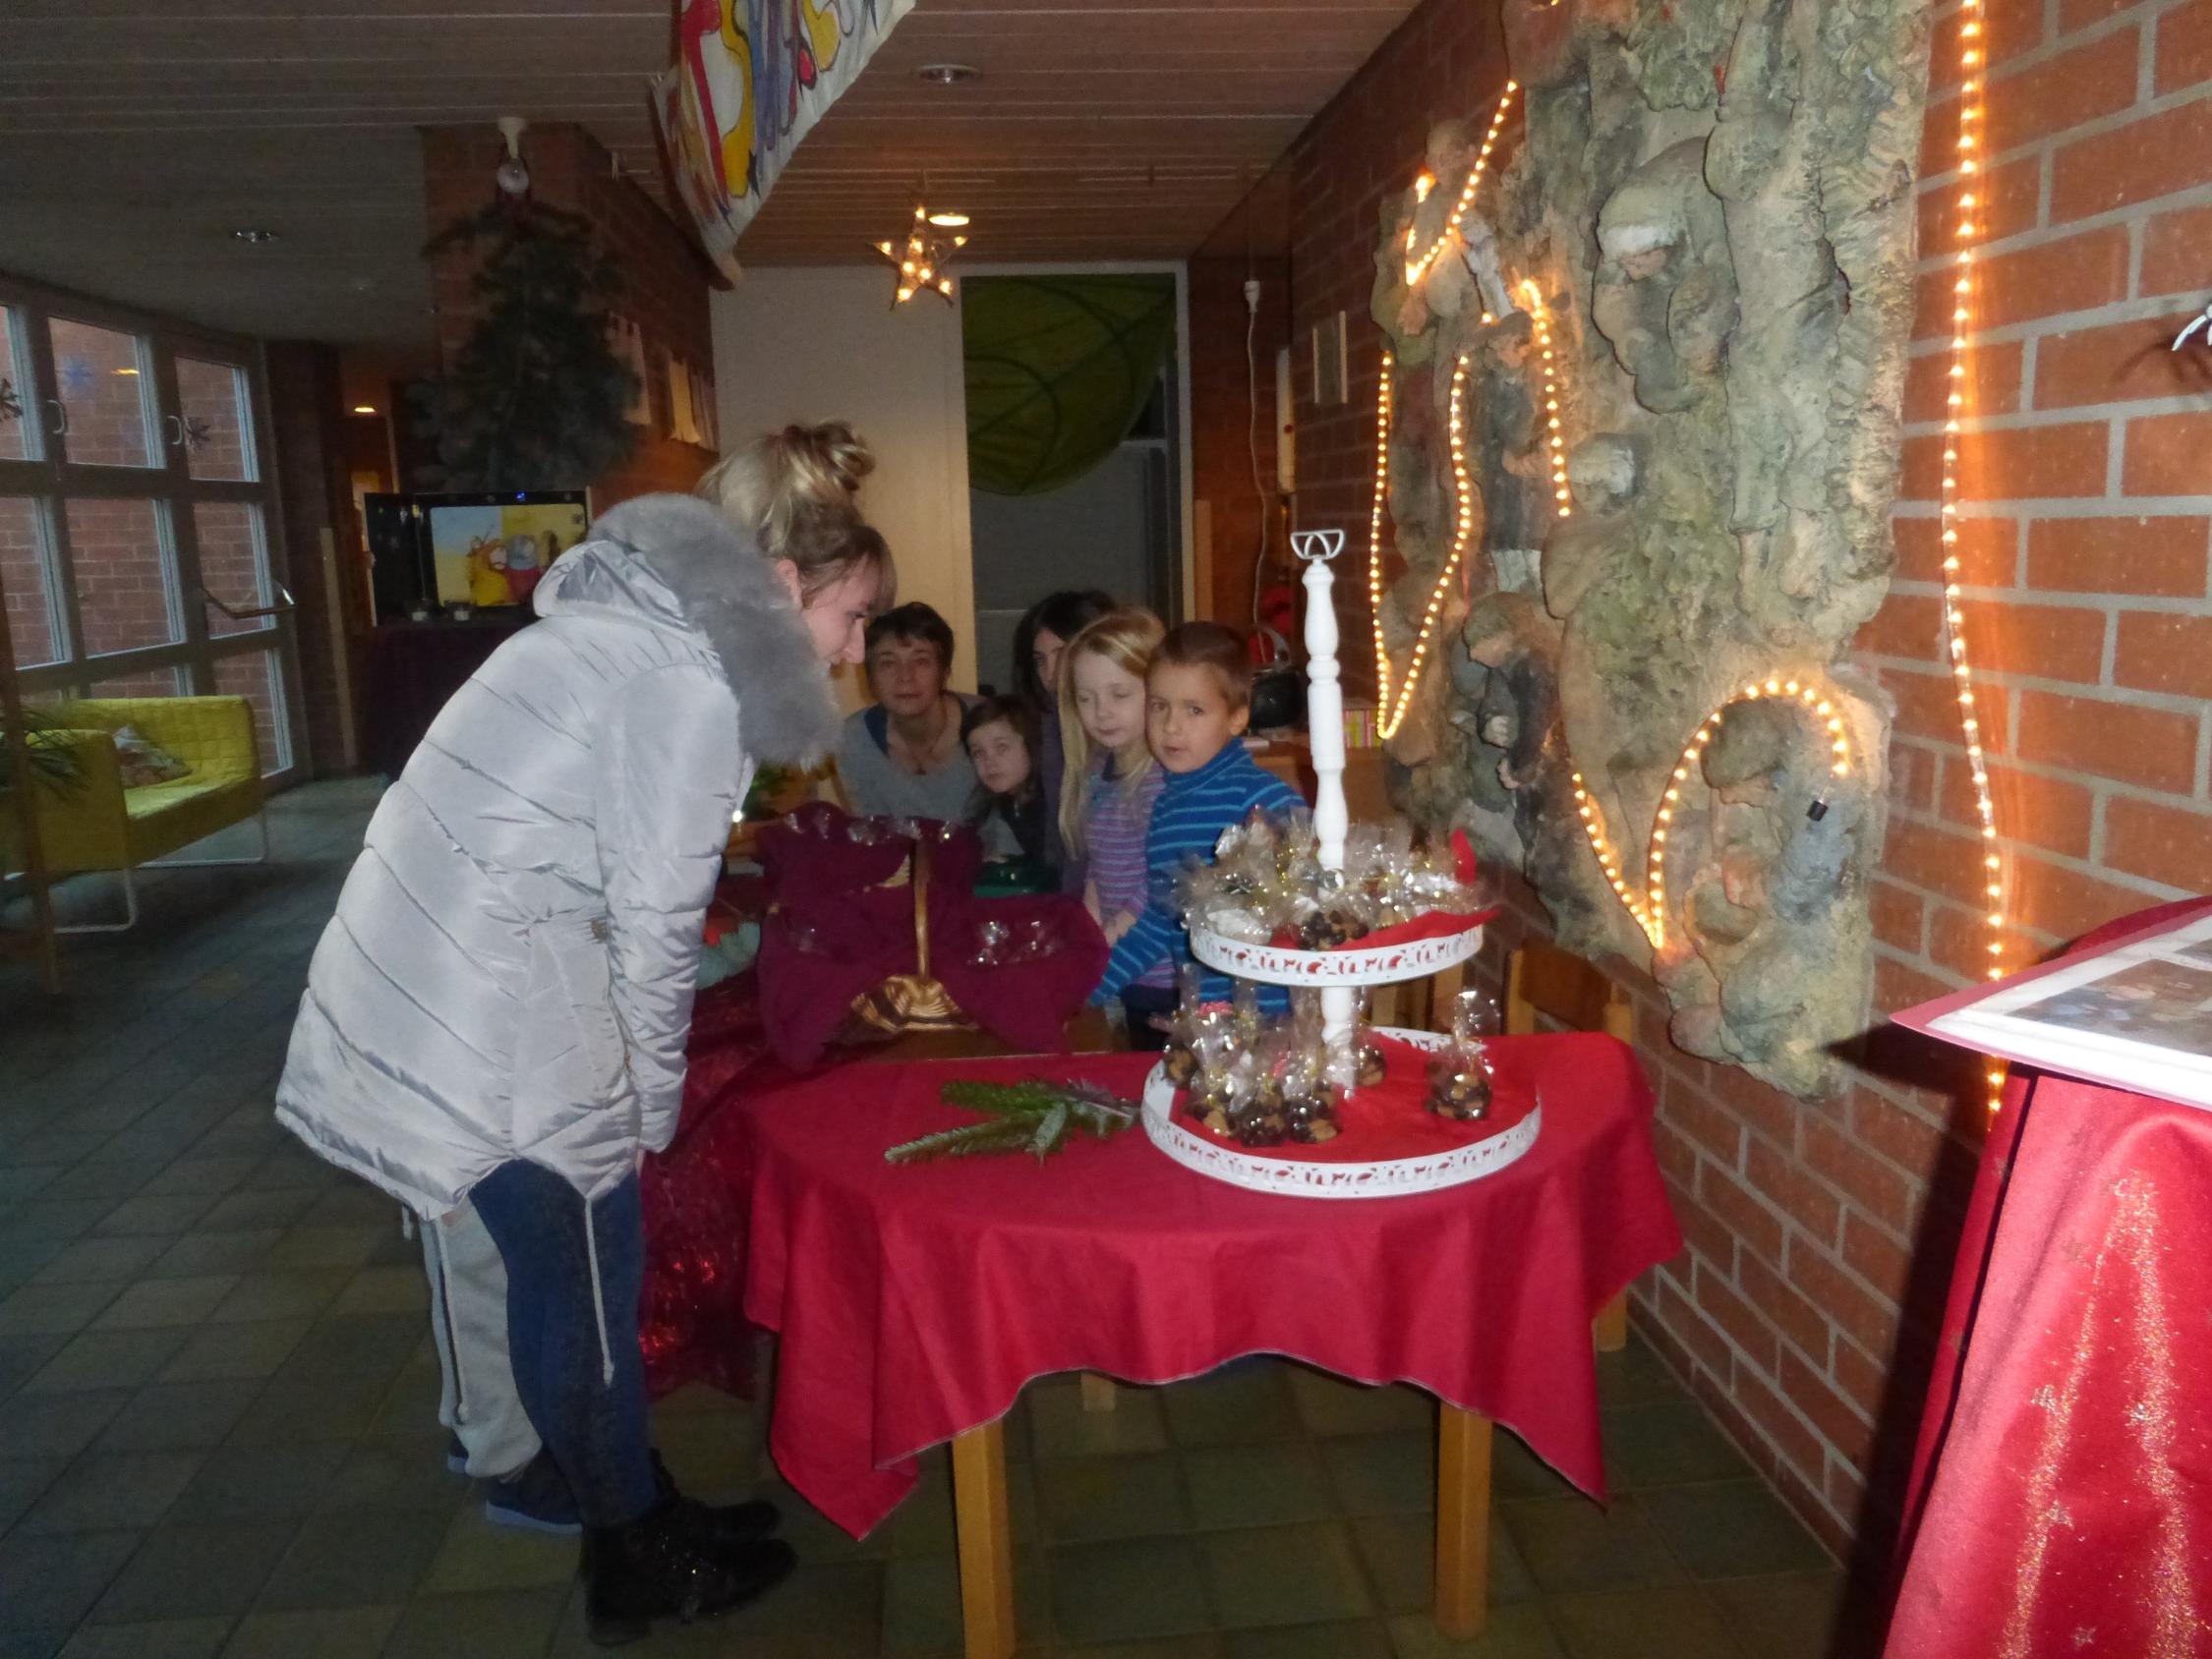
(922, 262)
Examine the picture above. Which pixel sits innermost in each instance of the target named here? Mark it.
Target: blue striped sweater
(1193, 810)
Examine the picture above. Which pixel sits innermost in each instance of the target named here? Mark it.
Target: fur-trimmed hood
(671, 562)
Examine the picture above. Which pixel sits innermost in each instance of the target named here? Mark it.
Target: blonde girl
(1111, 779)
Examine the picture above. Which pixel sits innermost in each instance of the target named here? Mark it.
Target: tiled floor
(217, 1397)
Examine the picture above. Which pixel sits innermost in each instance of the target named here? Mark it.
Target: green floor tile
(1249, 1401)
(1655, 1621)
(23, 1357)
(59, 1425)
(1635, 1375)
(217, 1352)
(172, 1302)
(1332, 1405)
(1790, 1614)
(1666, 1443)
(1732, 1531)
(1127, 1589)
(345, 1632)
(22, 1481)
(1062, 1428)
(1572, 1546)
(214, 1250)
(814, 1535)
(171, 1213)
(1513, 1633)
(108, 1359)
(324, 1247)
(255, 1482)
(480, 1556)
(54, 1579)
(354, 1560)
(1133, 1497)
(1399, 1552)
(397, 1288)
(1365, 1638)
(1285, 1576)
(40, 1309)
(406, 1474)
(711, 1456)
(168, 1638)
(296, 1405)
(922, 1604)
(195, 1572)
(506, 1624)
(1383, 1473)
(108, 1493)
(265, 1293)
(1518, 1472)
(816, 1613)
(88, 1260)
(1269, 1484)
(179, 1417)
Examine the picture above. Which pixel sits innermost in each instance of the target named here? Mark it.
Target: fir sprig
(1035, 1116)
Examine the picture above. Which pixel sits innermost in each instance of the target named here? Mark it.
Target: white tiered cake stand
(1339, 975)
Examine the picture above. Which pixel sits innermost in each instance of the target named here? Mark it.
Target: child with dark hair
(1198, 703)
(1041, 642)
(1000, 734)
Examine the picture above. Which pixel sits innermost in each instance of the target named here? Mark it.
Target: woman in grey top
(901, 757)
(496, 1013)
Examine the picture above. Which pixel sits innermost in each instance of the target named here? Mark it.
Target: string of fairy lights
(1973, 60)
(1649, 908)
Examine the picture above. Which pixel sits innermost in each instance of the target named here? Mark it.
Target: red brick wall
(666, 280)
(1821, 1235)
(1223, 426)
(307, 400)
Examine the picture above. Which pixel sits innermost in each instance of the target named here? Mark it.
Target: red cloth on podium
(914, 1301)
(2062, 1493)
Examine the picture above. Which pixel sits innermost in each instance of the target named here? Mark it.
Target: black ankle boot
(666, 1564)
(728, 1524)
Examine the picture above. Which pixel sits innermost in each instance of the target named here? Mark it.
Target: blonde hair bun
(780, 476)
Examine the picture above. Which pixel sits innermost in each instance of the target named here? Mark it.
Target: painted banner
(753, 78)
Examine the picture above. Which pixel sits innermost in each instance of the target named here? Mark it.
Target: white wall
(823, 343)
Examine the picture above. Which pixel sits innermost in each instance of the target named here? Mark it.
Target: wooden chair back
(1542, 979)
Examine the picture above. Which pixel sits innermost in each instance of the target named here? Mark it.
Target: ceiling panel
(134, 137)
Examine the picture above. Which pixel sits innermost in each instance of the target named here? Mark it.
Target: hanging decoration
(1418, 264)
(922, 262)
(751, 79)
(1036, 1116)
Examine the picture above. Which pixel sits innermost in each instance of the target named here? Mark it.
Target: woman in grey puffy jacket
(496, 1016)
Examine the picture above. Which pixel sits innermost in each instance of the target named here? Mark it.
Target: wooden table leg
(1463, 1522)
(1099, 1392)
(986, 1541)
(1610, 1327)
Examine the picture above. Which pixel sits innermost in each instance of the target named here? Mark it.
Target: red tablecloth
(2063, 1487)
(914, 1301)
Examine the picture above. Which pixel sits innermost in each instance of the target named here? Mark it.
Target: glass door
(141, 553)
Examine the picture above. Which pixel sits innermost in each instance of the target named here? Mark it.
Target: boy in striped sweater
(1198, 703)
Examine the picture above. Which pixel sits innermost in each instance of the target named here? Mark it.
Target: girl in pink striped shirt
(1111, 779)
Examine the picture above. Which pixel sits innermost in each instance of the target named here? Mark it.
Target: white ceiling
(135, 138)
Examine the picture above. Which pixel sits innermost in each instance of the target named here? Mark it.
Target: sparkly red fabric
(914, 1301)
(2062, 1498)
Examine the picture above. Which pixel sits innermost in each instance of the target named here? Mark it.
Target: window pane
(218, 422)
(100, 375)
(123, 575)
(18, 405)
(233, 563)
(147, 682)
(256, 676)
(27, 575)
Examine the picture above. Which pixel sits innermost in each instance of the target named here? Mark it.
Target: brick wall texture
(1230, 415)
(1821, 1235)
(666, 280)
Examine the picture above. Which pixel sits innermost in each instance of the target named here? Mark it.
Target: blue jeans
(582, 1381)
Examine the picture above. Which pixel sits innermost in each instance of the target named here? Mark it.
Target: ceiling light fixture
(949, 221)
(365, 408)
(254, 235)
(949, 74)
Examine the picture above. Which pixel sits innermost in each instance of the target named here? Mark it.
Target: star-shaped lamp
(921, 262)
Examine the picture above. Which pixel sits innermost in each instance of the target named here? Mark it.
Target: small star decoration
(921, 262)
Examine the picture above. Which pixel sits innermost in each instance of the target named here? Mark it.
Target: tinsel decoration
(1035, 1116)
(536, 398)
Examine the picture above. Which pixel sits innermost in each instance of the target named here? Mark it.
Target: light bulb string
(1418, 264)
(1390, 713)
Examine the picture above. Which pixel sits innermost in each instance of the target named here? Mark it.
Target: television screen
(489, 551)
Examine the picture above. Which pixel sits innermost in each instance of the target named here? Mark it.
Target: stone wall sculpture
(1682, 307)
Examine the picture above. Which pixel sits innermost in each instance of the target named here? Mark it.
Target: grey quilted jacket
(509, 970)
